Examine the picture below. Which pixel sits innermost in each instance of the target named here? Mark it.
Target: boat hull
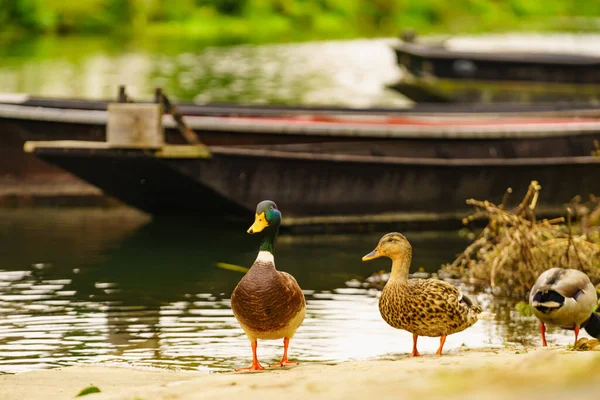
(439, 61)
(428, 131)
(436, 74)
(307, 185)
(457, 90)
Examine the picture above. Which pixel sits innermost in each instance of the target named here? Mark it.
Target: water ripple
(44, 331)
(149, 300)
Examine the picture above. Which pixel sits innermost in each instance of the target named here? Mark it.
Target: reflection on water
(352, 73)
(111, 286)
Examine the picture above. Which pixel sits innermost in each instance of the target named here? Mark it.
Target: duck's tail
(592, 327)
(474, 308)
(547, 301)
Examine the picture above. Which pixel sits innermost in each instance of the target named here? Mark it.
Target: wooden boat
(434, 73)
(354, 181)
(34, 118)
(313, 187)
(430, 131)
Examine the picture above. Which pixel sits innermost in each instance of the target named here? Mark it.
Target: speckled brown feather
(266, 300)
(426, 307)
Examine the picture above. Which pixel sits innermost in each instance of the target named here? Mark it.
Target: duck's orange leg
(442, 341)
(415, 352)
(255, 364)
(576, 329)
(284, 360)
(543, 332)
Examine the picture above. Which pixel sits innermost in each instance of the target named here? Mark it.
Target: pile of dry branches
(514, 248)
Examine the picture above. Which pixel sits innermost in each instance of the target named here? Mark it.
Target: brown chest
(264, 301)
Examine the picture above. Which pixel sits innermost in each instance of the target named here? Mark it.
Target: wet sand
(508, 373)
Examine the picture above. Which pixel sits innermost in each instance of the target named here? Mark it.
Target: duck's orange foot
(255, 364)
(283, 364)
(415, 353)
(253, 367)
(284, 361)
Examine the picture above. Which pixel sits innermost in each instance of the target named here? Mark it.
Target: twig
(571, 241)
(505, 198)
(514, 248)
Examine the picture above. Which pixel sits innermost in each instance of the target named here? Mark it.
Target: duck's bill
(260, 223)
(372, 255)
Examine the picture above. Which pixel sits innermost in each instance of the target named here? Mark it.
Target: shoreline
(511, 372)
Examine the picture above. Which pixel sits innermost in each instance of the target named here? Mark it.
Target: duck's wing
(439, 308)
(541, 282)
(452, 295)
(440, 297)
(573, 284)
(568, 283)
(292, 289)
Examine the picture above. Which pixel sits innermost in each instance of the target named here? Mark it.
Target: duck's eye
(271, 208)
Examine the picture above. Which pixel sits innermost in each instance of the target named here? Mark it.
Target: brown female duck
(268, 303)
(424, 307)
(565, 298)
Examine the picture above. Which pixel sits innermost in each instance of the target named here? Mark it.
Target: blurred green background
(239, 21)
(333, 52)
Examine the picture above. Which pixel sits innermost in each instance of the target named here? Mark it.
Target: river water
(113, 286)
(352, 73)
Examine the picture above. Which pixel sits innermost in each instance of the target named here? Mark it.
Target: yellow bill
(260, 223)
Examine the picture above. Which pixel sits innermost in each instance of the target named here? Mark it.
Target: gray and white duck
(565, 298)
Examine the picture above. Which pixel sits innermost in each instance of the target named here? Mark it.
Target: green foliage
(283, 19)
(88, 390)
(24, 14)
(523, 8)
(122, 11)
(524, 309)
(230, 7)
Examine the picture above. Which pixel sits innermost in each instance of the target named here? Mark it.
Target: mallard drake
(423, 307)
(565, 298)
(268, 303)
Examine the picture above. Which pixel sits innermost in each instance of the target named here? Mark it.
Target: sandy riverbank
(535, 373)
